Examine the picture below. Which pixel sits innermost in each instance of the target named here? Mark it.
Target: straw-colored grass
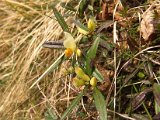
(24, 28)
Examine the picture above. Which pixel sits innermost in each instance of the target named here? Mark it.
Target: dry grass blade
(147, 26)
(122, 115)
(52, 67)
(137, 100)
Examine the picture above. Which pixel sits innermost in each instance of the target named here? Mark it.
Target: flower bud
(78, 82)
(78, 52)
(79, 71)
(93, 81)
(85, 77)
(81, 74)
(141, 75)
(68, 52)
(91, 24)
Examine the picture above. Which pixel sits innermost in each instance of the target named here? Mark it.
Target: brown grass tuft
(24, 28)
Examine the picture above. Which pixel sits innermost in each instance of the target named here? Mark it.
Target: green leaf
(98, 75)
(100, 104)
(91, 54)
(80, 25)
(157, 108)
(60, 20)
(83, 5)
(68, 6)
(50, 115)
(89, 66)
(156, 92)
(72, 106)
(52, 67)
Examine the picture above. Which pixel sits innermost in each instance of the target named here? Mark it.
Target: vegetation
(80, 59)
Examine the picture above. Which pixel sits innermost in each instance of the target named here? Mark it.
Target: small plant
(86, 76)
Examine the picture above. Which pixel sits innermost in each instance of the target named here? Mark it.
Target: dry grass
(24, 27)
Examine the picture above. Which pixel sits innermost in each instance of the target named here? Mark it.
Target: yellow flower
(77, 82)
(91, 24)
(69, 43)
(79, 72)
(93, 81)
(78, 52)
(68, 52)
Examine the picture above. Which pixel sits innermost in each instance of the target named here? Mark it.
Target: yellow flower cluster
(69, 43)
(83, 79)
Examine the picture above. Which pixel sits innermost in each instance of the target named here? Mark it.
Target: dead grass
(24, 28)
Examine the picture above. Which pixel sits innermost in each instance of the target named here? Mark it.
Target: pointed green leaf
(60, 20)
(156, 92)
(157, 108)
(91, 54)
(88, 69)
(80, 25)
(83, 5)
(98, 75)
(72, 106)
(52, 67)
(100, 104)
